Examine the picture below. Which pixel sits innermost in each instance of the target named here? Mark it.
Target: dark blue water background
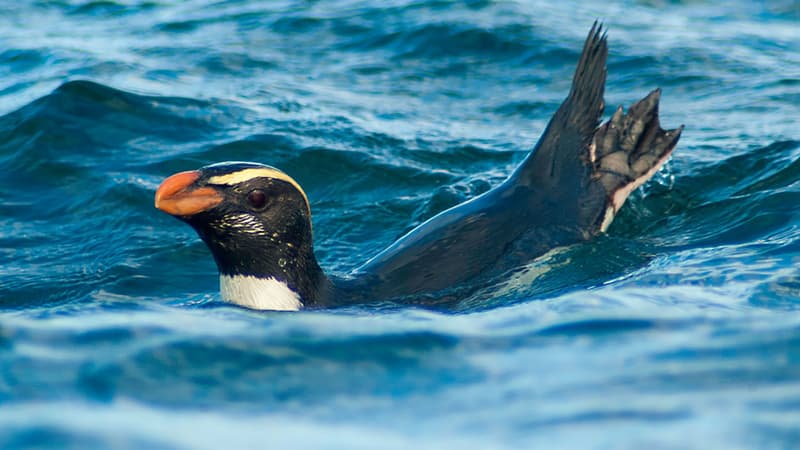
(679, 329)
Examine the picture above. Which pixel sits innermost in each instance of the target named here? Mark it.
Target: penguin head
(255, 220)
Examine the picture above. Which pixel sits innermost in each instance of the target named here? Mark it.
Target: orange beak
(174, 196)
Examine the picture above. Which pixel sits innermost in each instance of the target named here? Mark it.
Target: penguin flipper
(588, 171)
(628, 150)
(561, 151)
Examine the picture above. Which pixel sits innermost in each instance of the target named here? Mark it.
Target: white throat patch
(258, 293)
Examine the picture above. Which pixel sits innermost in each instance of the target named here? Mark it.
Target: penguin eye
(257, 199)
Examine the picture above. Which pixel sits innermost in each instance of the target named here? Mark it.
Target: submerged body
(256, 220)
(463, 247)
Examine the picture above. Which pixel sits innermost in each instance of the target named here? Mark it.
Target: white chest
(258, 293)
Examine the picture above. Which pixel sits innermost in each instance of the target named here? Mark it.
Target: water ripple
(680, 322)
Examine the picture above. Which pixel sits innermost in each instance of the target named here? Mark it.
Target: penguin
(256, 219)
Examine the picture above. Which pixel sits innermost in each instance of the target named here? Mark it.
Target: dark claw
(630, 145)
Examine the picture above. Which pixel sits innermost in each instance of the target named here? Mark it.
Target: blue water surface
(678, 329)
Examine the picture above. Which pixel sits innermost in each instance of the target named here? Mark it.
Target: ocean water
(678, 329)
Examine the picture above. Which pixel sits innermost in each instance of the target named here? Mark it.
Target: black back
(544, 204)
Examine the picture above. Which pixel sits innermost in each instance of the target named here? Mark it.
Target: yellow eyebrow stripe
(243, 175)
